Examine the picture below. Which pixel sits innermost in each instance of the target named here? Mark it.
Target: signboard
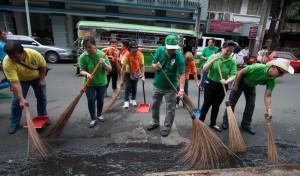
(226, 26)
(83, 33)
(253, 32)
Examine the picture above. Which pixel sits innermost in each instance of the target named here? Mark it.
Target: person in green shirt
(213, 88)
(171, 61)
(206, 53)
(247, 79)
(96, 89)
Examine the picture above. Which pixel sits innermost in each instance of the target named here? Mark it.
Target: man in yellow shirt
(24, 68)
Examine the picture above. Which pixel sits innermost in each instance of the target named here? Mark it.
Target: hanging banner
(226, 26)
(253, 32)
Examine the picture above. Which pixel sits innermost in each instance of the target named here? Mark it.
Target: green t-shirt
(207, 52)
(258, 74)
(172, 66)
(89, 63)
(228, 68)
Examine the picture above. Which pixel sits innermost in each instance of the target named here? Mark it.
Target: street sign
(253, 32)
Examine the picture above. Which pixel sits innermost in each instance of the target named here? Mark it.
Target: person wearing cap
(213, 88)
(247, 79)
(132, 69)
(171, 61)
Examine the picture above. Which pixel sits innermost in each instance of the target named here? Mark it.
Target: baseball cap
(133, 46)
(171, 42)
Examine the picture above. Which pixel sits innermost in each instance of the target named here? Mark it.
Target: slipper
(216, 127)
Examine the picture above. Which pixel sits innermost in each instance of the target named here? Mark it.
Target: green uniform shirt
(258, 74)
(207, 52)
(89, 63)
(172, 66)
(228, 68)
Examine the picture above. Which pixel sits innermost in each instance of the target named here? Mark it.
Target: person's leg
(207, 102)
(250, 95)
(91, 98)
(108, 76)
(218, 99)
(186, 87)
(16, 109)
(157, 99)
(170, 96)
(40, 95)
(134, 89)
(127, 89)
(177, 99)
(114, 80)
(203, 79)
(100, 91)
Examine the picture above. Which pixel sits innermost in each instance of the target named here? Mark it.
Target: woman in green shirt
(213, 88)
(96, 89)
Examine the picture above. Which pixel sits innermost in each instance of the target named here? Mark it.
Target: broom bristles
(205, 149)
(60, 124)
(273, 156)
(236, 141)
(34, 141)
(112, 101)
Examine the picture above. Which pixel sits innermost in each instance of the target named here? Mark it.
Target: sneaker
(126, 105)
(12, 129)
(164, 133)
(100, 118)
(152, 127)
(92, 124)
(133, 102)
(177, 106)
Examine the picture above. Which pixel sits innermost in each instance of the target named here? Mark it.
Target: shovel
(198, 110)
(143, 107)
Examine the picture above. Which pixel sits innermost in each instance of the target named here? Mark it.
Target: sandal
(216, 127)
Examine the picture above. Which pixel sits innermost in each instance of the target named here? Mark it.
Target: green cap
(172, 42)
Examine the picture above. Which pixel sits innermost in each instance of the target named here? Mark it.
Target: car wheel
(52, 57)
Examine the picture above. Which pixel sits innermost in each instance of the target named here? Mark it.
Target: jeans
(213, 96)
(170, 96)
(186, 89)
(41, 100)
(130, 87)
(94, 94)
(203, 78)
(250, 95)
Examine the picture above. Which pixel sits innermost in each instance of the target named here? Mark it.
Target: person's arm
(142, 67)
(17, 89)
(238, 79)
(106, 67)
(208, 65)
(267, 98)
(122, 76)
(181, 85)
(42, 72)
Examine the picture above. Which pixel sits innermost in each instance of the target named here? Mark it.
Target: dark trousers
(114, 75)
(250, 95)
(186, 89)
(131, 87)
(213, 96)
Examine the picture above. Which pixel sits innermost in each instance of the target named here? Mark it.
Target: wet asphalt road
(122, 145)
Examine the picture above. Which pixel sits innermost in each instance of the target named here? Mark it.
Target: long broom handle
(219, 69)
(166, 76)
(199, 97)
(93, 73)
(144, 91)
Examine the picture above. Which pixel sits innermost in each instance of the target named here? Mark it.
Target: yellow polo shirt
(15, 71)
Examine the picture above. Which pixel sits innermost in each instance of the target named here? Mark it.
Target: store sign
(83, 33)
(177, 3)
(253, 32)
(226, 26)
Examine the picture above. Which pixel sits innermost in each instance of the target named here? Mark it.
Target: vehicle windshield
(43, 41)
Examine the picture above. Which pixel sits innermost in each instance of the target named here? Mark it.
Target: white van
(203, 42)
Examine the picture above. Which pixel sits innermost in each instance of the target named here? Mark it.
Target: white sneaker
(92, 124)
(100, 118)
(126, 104)
(133, 102)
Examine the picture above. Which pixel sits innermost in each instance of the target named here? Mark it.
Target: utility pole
(28, 19)
(266, 7)
(197, 27)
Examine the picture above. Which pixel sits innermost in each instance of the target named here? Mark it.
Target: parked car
(294, 62)
(51, 53)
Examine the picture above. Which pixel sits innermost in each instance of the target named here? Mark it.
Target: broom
(59, 125)
(205, 149)
(112, 101)
(236, 141)
(34, 141)
(273, 156)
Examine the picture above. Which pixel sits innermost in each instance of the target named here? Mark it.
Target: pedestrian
(213, 90)
(190, 68)
(124, 46)
(262, 55)
(113, 55)
(247, 79)
(3, 38)
(132, 69)
(171, 61)
(206, 53)
(96, 89)
(24, 67)
(246, 54)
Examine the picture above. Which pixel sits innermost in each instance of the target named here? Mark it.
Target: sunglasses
(280, 71)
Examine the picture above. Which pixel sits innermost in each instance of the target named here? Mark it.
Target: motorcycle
(79, 52)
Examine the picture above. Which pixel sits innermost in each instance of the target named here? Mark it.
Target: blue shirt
(2, 52)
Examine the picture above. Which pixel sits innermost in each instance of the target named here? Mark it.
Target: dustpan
(197, 112)
(143, 107)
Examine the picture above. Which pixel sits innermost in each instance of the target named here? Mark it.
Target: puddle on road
(131, 159)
